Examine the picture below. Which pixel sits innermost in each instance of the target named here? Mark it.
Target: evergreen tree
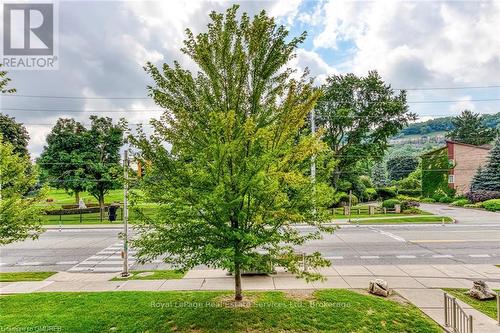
(491, 177)
(469, 128)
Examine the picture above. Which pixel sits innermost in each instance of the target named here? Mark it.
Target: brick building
(463, 162)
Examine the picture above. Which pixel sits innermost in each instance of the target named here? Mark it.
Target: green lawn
(157, 275)
(60, 197)
(487, 307)
(333, 311)
(415, 219)
(25, 276)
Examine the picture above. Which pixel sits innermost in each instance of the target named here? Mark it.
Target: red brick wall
(467, 160)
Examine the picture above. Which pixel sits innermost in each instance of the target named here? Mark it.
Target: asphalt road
(80, 249)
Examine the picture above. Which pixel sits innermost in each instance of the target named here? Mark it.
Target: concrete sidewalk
(355, 277)
(430, 301)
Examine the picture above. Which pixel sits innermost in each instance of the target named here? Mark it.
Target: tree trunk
(77, 197)
(101, 206)
(237, 283)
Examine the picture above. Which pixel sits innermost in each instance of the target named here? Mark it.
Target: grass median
(323, 311)
(488, 307)
(405, 219)
(24, 276)
(152, 275)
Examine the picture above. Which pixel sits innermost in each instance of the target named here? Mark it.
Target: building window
(451, 179)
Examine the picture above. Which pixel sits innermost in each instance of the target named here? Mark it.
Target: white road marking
(405, 257)
(442, 256)
(334, 258)
(35, 263)
(388, 234)
(66, 262)
(479, 255)
(369, 257)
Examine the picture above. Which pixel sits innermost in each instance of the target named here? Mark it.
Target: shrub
(492, 205)
(460, 202)
(370, 193)
(389, 203)
(475, 205)
(445, 200)
(478, 196)
(385, 193)
(412, 210)
(407, 198)
(342, 199)
(428, 200)
(413, 193)
(408, 204)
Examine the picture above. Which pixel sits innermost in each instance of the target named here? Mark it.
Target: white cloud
(418, 43)
(316, 65)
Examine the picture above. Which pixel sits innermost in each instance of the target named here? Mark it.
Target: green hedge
(492, 205)
(390, 203)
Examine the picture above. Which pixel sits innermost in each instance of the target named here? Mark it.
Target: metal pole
(350, 204)
(498, 307)
(445, 310)
(125, 215)
(313, 161)
(470, 324)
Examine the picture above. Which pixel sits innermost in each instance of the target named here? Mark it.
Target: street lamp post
(125, 215)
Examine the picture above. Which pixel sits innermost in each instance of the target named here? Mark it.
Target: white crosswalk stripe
(106, 260)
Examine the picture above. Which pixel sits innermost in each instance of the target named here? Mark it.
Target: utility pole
(350, 204)
(125, 215)
(313, 158)
(313, 161)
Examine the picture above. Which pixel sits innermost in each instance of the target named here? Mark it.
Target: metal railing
(455, 317)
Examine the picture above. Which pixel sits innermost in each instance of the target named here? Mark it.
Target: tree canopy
(468, 128)
(236, 179)
(20, 215)
(64, 156)
(77, 159)
(359, 115)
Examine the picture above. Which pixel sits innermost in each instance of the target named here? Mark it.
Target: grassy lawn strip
(25, 276)
(332, 311)
(416, 219)
(157, 275)
(487, 307)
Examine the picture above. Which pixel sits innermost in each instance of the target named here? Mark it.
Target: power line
(449, 88)
(143, 97)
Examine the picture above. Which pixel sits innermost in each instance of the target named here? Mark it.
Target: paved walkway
(430, 301)
(419, 284)
(462, 215)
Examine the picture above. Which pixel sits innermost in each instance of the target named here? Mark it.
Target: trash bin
(112, 209)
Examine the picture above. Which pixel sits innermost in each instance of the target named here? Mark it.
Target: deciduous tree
(233, 185)
(65, 156)
(20, 215)
(359, 115)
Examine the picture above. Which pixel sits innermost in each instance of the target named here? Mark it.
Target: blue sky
(412, 44)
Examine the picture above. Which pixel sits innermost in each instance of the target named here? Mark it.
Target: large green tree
(14, 133)
(469, 128)
(102, 157)
(20, 215)
(359, 115)
(399, 167)
(232, 185)
(65, 156)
